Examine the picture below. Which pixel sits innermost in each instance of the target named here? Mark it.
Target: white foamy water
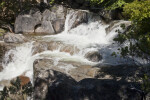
(17, 61)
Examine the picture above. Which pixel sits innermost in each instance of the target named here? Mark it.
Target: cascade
(86, 37)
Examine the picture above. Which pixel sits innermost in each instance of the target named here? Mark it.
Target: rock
(60, 11)
(45, 28)
(26, 22)
(118, 72)
(59, 16)
(74, 69)
(58, 25)
(53, 85)
(44, 80)
(116, 24)
(77, 17)
(14, 38)
(109, 15)
(24, 80)
(93, 56)
(46, 25)
(4, 48)
(42, 46)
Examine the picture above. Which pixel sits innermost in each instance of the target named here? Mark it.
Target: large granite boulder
(26, 21)
(77, 17)
(46, 25)
(53, 85)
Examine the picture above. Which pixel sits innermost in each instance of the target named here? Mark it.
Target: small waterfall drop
(87, 37)
(17, 61)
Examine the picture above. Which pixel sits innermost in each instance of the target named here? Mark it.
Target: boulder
(14, 38)
(41, 46)
(115, 24)
(26, 21)
(74, 69)
(60, 11)
(58, 25)
(77, 17)
(109, 15)
(45, 78)
(46, 26)
(93, 56)
(59, 16)
(54, 85)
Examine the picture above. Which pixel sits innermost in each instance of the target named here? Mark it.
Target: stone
(26, 21)
(14, 38)
(59, 10)
(58, 25)
(41, 46)
(74, 69)
(24, 80)
(118, 72)
(45, 78)
(54, 85)
(77, 17)
(109, 15)
(116, 24)
(93, 56)
(45, 28)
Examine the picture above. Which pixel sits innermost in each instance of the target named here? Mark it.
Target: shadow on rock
(53, 85)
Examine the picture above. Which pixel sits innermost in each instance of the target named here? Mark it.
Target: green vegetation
(16, 90)
(139, 33)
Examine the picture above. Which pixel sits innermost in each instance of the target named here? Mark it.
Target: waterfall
(17, 61)
(87, 37)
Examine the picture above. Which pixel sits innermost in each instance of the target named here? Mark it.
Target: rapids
(87, 37)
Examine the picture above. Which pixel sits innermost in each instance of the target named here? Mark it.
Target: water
(86, 37)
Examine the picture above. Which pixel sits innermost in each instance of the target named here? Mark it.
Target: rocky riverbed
(66, 54)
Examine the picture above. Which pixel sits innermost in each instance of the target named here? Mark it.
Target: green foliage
(138, 10)
(16, 89)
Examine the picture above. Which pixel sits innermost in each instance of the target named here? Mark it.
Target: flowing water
(87, 37)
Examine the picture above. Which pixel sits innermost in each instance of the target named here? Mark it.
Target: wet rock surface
(93, 56)
(74, 69)
(41, 46)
